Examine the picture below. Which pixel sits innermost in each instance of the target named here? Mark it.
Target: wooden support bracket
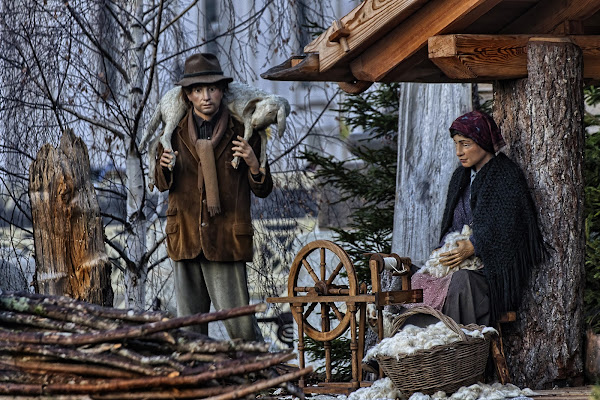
(339, 34)
(496, 57)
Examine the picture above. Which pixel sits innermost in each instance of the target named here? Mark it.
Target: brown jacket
(190, 229)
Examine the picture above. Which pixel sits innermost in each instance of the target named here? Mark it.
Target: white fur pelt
(171, 108)
(256, 109)
(435, 268)
(253, 107)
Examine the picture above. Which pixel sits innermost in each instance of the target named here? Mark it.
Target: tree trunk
(136, 271)
(68, 236)
(426, 161)
(541, 118)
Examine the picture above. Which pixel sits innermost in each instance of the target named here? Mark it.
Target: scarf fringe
(214, 210)
(506, 287)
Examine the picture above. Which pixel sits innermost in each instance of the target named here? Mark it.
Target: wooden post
(68, 236)
(541, 118)
(426, 160)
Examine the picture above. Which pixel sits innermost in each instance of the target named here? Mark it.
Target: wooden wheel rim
(298, 266)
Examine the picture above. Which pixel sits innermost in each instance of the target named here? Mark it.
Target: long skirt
(467, 300)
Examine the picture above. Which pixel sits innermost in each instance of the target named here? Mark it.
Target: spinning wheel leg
(299, 308)
(362, 324)
(354, 347)
(327, 344)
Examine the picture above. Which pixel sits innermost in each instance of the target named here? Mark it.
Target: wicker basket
(444, 367)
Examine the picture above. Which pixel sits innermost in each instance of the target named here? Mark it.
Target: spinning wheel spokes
(334, 319)
(335, 273)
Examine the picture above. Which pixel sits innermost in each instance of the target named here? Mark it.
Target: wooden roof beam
(496, 57)
(547, 16)
(306, 68)
(434, 18)
(361, 27)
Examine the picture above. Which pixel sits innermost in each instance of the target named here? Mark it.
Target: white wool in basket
(412, 338)
(435, 268)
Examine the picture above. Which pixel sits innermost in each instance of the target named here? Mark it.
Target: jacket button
(203, 224)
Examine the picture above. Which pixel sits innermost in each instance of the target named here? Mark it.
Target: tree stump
(69, 241)
(541, 118)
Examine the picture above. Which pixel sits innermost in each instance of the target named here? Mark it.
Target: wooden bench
(498, 347)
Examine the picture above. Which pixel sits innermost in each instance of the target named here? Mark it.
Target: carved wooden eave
(442, 41)
(493, 57)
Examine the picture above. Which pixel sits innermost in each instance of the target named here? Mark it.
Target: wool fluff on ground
(413, 338)
(480, 391)
(435, 268)
(380, 390)
(384, 389)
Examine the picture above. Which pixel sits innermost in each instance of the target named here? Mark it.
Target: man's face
(206, 100)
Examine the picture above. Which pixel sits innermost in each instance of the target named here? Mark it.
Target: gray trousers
(199, 282)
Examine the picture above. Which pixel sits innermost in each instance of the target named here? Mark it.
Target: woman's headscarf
(480, 128)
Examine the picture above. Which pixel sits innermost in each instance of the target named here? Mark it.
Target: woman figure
(489, 193)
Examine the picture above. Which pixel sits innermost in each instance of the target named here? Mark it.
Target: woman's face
(469, 153)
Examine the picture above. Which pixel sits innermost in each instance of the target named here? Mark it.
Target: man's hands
(244, 150)
(455, 256)
(241, 149)
(167, 157)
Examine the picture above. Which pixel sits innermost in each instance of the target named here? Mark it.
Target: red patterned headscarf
(480, 128)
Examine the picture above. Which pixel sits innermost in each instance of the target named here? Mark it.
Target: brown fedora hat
(202, 68)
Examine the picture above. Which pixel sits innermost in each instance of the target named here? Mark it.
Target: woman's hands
(455, 256)
(244, 150)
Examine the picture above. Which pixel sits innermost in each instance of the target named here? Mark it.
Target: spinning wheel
(323, 282)
(311, 266)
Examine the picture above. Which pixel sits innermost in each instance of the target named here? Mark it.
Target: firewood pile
(57, 346)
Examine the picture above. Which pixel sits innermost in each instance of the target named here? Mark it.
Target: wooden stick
(61, 314)
(40, 322)
(71, 354)
(73, 304)
(244, 391)
(223, 346)
(144, 382)
(290, 388)
(164, 394)
(150, 360)
(128, 332)
(37, 366)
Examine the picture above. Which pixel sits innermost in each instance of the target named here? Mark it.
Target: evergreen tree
(592, 212)
(371, 187)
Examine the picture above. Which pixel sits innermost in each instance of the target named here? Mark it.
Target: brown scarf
(207, 169)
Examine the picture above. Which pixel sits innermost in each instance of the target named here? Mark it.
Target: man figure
(209, 229)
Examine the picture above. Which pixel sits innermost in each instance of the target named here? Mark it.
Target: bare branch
(257, 15)
(106, 54)
(308, 132)
(173, 21)
(93, 121)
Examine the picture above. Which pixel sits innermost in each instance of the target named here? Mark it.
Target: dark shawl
(505, 227)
